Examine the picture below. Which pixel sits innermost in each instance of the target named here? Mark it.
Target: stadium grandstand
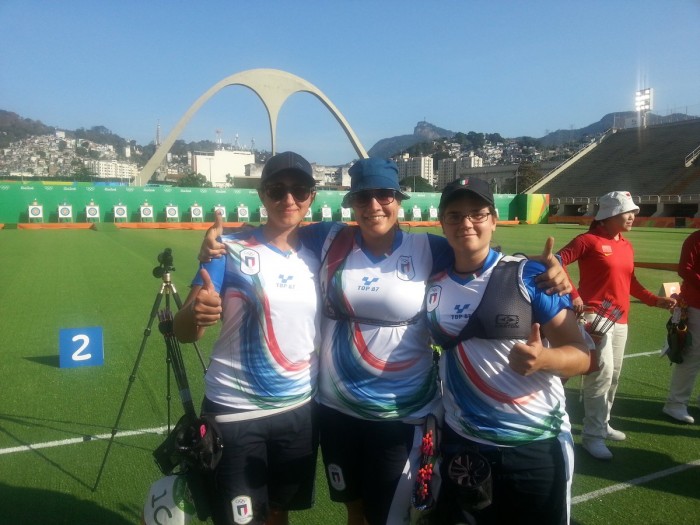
(659, 165)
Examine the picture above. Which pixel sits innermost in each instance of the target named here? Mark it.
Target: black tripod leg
(178, 302)
(132, 377)
(168, 363)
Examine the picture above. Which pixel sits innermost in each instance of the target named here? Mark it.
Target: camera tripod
(167, 289)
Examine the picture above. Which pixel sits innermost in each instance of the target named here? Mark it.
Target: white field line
(83, 439)
(160, 430)
(632, 483)
(657, 353)
(644, 479)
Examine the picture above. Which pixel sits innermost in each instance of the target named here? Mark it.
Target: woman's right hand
(211, 248)
(578, 305)
(206, 305)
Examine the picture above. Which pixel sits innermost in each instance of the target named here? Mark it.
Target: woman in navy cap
(506, 442)
(261, 378)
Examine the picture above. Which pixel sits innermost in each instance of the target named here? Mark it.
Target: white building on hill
(112, 169)
(410, 167)
(216, 165)
(451, 169)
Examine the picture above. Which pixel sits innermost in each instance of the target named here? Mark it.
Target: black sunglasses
(279, 191)
(364, 197)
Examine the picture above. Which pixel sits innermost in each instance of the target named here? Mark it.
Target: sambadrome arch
(273, 87)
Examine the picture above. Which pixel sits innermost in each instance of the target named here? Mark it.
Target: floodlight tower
(162, 169)
(643, 103)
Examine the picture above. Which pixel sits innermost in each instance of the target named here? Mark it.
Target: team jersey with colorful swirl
(376, 362)
(484, 399)
(266, 354)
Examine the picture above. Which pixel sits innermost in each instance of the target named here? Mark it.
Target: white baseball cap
(615, 203)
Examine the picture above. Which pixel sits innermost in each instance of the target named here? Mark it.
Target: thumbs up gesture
(211, 248)
(554, 279)
(206, 306)
(524, 358)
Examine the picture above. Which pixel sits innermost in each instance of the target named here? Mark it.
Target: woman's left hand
(554, 279)
(666, 302)
(524, 358)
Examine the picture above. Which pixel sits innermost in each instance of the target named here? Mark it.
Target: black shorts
(368, 461)
(269, 462)
(528, 482)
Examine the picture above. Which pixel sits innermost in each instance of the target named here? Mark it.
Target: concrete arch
(273, 87)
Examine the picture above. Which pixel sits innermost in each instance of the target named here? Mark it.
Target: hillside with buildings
(428, 158)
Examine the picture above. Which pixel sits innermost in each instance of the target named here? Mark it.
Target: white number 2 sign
(80, 347)
(78, 355)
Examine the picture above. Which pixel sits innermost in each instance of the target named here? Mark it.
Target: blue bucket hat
(373, 174)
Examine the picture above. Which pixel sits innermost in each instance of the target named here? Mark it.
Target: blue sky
(509, 67)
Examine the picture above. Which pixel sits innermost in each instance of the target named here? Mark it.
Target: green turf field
(59, 279)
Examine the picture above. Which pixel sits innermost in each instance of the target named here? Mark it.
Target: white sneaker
(615, 435)
(596, 448)
(679, 414)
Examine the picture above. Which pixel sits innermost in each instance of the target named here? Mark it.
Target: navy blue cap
(373, 174)
(285, 162)
(478, 187)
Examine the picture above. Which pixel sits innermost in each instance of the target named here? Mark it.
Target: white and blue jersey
(484, 399)
(376, 361)
(266, 356)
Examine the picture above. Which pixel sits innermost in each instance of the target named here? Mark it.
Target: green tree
(529, 142)
(494, 138)
(527, 175)
(477, 139)
(82, 174)
(462, 139)
(416, 184)
(194, 180)
(440, 155)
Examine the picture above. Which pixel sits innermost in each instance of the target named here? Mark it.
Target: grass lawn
(52, 280)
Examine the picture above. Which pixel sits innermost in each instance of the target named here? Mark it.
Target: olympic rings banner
(89, 200)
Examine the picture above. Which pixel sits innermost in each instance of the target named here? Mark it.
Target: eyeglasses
(279, 191)
(457, 218)
(364, 197)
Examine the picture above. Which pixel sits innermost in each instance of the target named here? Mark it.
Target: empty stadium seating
(646, 161)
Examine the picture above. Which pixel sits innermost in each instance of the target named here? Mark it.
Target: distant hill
(14, 128)
(562, 136)
(425, 131)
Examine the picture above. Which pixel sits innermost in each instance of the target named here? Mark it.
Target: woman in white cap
(606, 282)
